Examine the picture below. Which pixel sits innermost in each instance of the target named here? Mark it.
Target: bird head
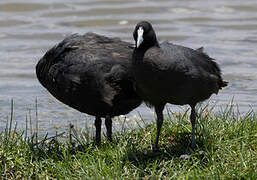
(144, 35)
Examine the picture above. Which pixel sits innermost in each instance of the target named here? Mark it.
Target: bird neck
(138, 53)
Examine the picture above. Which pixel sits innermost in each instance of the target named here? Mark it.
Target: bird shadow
(177, 145)
(57, 151)
(173, 146)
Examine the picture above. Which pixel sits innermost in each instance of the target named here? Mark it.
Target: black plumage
(91, 73)
(169, 73)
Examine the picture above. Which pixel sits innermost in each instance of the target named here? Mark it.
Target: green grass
(228, 140)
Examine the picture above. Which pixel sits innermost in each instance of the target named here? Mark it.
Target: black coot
(91, 73)
(168, 73)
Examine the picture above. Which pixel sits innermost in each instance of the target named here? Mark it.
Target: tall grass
(226, 149)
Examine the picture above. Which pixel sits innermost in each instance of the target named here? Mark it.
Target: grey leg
(192, 119)
(98, 123)
(158, 111)
(108, 124)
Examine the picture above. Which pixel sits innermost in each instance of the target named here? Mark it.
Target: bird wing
(184, 62)
(182, 59)
(82, 79)
(83, 63)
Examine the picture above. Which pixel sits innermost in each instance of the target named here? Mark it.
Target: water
(227, 29)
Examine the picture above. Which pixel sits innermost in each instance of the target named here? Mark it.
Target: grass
(226, 149)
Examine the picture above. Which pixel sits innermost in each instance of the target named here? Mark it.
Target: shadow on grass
(57, 150)
(171, 146)
(175, 146)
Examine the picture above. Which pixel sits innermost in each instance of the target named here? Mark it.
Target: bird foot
(202, 153)
(109, 138)
(184, 156)
(187, 155)
(156, 149)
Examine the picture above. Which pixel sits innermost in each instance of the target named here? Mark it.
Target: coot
(92, 74)
(169, 73)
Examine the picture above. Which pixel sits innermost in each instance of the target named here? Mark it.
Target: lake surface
(227, 29)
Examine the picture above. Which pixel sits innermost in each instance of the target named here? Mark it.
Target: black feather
(90, 73)
(169, 73)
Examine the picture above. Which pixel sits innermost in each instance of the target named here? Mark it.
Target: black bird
(92, 74)
(168, 73)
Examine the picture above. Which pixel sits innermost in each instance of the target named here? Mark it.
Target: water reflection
(227, 29)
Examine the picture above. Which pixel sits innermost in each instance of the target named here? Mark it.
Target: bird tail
(222, 84)
(215, 68)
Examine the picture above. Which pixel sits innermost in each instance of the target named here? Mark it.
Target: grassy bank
(226, 148)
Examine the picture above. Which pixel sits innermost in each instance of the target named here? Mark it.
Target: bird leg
(158, 111)
(192, 119)
(98, 123)
(108, 124)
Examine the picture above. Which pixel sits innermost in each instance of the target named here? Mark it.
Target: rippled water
(227, 29)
